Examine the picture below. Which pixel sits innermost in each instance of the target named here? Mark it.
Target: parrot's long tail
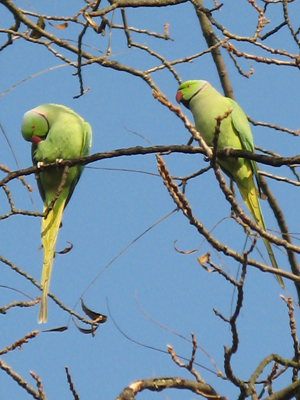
(250, 198)
(50, 227)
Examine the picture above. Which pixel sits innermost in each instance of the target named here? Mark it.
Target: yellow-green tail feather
(50, 227)
(250, 198)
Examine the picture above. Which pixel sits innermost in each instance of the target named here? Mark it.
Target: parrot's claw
(40, 165)
(227, 150)
(59, 161)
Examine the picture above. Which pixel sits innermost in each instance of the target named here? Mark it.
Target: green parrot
(206, 104)
(56, 132)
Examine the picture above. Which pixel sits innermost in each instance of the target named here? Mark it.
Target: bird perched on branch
(56, 133)
(206, 105)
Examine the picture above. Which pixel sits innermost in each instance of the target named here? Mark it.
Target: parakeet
(206, 104)
(56, 132)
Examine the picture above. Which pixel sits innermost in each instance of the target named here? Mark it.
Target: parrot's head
(35, 126)
(187, 90)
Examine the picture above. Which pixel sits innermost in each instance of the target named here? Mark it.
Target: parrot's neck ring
(201, 89)
(45, 117)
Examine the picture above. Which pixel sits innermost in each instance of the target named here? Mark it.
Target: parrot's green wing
(85, 152)
(242, 127)
(56, 132)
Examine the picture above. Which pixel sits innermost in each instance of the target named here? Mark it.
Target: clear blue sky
(109, 209)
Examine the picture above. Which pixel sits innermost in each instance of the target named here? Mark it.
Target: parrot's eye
(32, 127)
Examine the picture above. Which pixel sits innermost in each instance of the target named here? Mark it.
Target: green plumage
(56, 132)
(206, 104)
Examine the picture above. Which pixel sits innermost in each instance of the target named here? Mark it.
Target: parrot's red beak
(178, 96)
(35, 139)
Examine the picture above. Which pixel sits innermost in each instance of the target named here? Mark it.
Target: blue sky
(110, 208)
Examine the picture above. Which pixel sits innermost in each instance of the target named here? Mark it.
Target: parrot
(206, 104)
(56, 133)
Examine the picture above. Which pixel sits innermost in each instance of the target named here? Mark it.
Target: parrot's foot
(40, 164)
(227, 150)
(59, 161)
